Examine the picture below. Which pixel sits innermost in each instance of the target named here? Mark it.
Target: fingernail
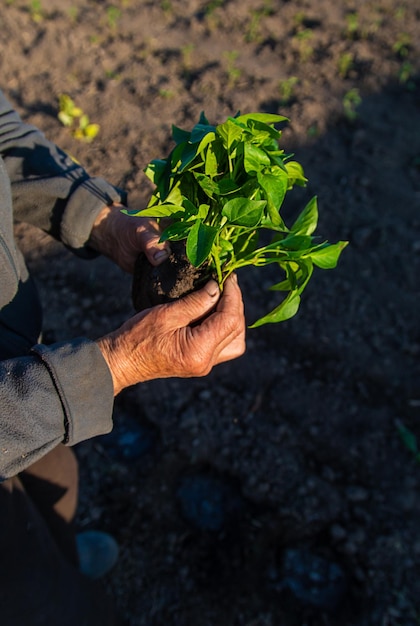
(212, 288)
(161, 255)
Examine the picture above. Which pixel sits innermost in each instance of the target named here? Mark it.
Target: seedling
(406, 74)
(352, 25)
(36, 11)
(74, 118)
(402, 46)
(221, 187)
(73, 13)
(304, 38)
(351, 100)
(233, 72)
(213, 5)
(287, 88)
(345, 64)
(113, 15)
(166, 6)
(253, 33)
(187, 55)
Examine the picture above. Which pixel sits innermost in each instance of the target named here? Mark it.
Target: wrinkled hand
(122, 237)
(166, 341)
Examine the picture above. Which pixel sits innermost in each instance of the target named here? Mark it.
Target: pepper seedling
(220, 187)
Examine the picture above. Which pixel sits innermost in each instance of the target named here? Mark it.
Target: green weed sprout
(220, 187)
(351, 100)
(409, 440)
(74, 118)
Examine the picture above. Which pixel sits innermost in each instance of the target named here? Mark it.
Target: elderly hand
(169, 340)
(122, 237)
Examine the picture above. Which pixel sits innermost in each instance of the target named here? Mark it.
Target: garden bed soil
(278, 490)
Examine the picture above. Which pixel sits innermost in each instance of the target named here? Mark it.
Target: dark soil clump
(174, 278)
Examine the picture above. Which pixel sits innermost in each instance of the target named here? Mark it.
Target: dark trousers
(40, 584)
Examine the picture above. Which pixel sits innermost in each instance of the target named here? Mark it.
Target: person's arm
(64, 392)
(49, 189)
(59, 393)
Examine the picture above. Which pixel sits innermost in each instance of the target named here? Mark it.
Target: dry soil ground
(277, 491)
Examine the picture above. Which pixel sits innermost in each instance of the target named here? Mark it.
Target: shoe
(98, 553)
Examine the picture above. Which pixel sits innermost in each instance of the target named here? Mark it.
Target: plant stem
(216, 260)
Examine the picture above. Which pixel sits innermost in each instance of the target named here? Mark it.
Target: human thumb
(198, 304)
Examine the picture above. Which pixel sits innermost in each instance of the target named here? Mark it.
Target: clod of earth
(172, 279)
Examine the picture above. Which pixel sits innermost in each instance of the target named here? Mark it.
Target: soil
(278, 490)
(172, 279)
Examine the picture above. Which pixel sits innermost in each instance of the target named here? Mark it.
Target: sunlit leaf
(199, 242)
(176, 231)
(161, 210)
(255, 159)
(307, 221)
(266, 118)
(274, 184)
(287, 309)
(244, 212)
(295, 174)
(327, 257)
(229, 132)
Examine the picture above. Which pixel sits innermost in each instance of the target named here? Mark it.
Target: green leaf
(225, 245)
(190, 208)
(155, 170)
(199, 242)
(296, 174)
(229, 132)
(245, 244)
(307, 221)
(255, 159)
(263, 134)
(244, 212)
(408, 438)
(211, 164)
(208, 138)
(296, 242)
(209, 187)
(287, 309)
(174, 196)
(176, 231)
(227, 186)
(274, 182)
(65, 118)
(266, 118)
(327, 257)
(188, 155)
(161, 210)
(200, 131)
(179, 135)
(83, 121)
(91, 131)
(203, 210)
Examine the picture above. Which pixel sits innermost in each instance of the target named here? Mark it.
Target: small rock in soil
(208, 503)
(130, 440)
(314, 581)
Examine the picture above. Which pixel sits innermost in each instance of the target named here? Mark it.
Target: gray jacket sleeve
(57, 394)
(63, 392)
(49, 189)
